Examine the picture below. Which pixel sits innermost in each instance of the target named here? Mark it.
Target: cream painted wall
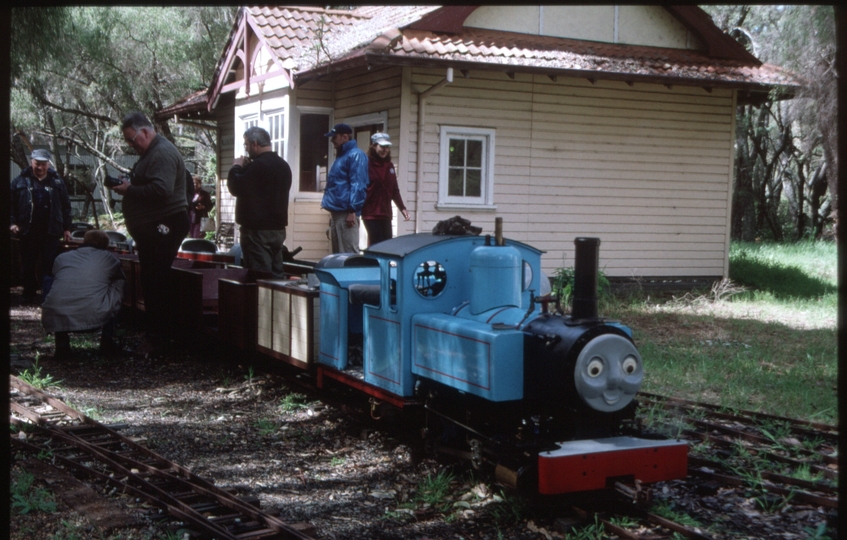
(595, 23)
(650, 25)
(356, 93)
(645, 168)
(637, 25)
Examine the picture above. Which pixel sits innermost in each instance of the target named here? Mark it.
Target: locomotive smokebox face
(608, 373)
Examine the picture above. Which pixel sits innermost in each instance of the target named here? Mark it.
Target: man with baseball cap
(346, 186)
(39, 216)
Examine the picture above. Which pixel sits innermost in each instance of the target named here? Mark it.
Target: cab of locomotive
(424, 274)
(407, 276)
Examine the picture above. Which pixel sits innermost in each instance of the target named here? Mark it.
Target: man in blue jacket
(40, 216)
(346, 187)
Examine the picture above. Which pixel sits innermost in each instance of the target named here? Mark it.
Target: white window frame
(486, 199)
(258, 113)
(279, 144)
(295, 147)
(247, 121)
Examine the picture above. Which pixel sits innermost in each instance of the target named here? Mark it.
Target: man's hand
(350, 220)
(405, 214)
(122, 188)
(67, 236)
(14, 229)
(241, 161)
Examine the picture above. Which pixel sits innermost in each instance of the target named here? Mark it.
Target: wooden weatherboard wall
(646, 168)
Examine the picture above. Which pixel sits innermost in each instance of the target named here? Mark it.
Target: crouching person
(87, 291)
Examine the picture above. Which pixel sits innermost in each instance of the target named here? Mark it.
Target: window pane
(313, 151)
(473, 185)
(456, 183)
(474, 153)
(457, 152)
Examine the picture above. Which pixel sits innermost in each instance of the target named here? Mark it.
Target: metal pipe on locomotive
(452, 323)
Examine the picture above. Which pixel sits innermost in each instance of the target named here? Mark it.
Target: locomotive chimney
(586, 268)
(498, 231)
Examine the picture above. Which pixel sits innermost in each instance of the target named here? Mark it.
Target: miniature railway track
(639, 523)
(731, 448)
(100, 454)
(776, 443)
(95, 451)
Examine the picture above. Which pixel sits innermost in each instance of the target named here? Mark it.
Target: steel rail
(821, 487)
(728, 443)
(794, 494)
(816, 426)
(97, 441)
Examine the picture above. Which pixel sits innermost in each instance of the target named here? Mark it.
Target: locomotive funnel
(586, 267)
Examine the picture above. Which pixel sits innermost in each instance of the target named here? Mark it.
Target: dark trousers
(263, 250)
(378, 230)
(38, 252)
(157, 244)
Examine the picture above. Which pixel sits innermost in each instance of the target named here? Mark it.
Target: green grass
(435, 490)
(805, 270)
(266, 426)
(35, 378)
(293, 402)
(772, 348)
(26, 498)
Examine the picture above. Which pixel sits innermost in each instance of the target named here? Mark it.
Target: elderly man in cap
(40, 216)
(346, 186)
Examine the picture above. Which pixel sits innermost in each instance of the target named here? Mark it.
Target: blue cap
(339, 128)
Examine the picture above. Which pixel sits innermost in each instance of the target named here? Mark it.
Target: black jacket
(158, 187)
(261, 191)
(20, 207)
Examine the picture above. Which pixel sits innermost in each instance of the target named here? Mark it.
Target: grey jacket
(88, 289)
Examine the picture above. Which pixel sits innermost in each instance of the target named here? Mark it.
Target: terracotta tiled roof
(195, 102)
(310, 41)
(384, 34)
(531, 51)
(293, 32)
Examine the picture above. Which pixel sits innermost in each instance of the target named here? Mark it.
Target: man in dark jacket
(155, 208)
(261, 184)
(40, 216)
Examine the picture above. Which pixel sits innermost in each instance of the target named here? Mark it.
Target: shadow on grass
(739, 363)
(782, 281)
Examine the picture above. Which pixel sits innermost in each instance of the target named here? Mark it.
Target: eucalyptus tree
(786, 164)
(106, 62)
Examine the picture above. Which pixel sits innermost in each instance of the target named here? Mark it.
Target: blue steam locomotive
(452, 326)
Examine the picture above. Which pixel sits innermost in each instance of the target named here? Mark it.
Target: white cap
(381, 139)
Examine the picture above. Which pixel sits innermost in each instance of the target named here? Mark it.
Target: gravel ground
(305, 461)
(239, 426)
